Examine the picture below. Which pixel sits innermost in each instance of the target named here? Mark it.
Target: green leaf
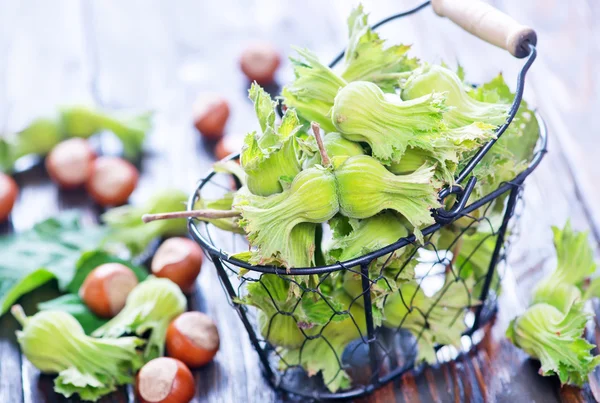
(50, 250)
(21, 286)
(127, 228)
(82, 121)
(71, 303)
(38, 138)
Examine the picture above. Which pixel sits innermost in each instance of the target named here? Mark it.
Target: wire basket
(378, 354)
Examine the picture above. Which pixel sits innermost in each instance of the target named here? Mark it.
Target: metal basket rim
(213, 251)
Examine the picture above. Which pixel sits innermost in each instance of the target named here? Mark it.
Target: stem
(325, 161)
(206, 213)
(19, 314)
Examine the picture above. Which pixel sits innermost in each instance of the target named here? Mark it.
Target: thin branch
(19, 314)
(325, 161)
(206, 213)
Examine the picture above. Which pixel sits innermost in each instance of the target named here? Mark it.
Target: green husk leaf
(73, 305)
(446, 149)
(269, 221)
(284, 309)
(273, 154)
(272, 296)
(314, 89)
(575, 265)
(473, 253)
(522, 134)
(150, 306)
(513, 150)
(369, 235)
(363, 113)
(366, 58)
(231, 167)
(335, 145)
(54, 342)
(300, 249)
(264, 106)
(555, 338)
(365, 188)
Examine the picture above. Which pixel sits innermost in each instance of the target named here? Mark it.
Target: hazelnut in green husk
(311, 197)
(313, 90)
(365, 187)
(463, 109)
(446, 149)
(55, 343)
(363, 113)
(335, 146)
(274, 154)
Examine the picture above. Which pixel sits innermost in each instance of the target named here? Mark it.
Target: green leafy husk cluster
(62, 337)
(552, 329)
(57, 339)
(388, 132)
(55, 343)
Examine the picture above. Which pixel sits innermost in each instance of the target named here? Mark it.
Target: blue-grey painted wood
(160, 55)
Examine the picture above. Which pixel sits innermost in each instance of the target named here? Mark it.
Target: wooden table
(161, 55)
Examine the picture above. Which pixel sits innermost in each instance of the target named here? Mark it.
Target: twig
(19, 314)
(206, 213)
(325, 161)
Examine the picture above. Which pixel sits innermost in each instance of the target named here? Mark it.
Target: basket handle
(488, 23)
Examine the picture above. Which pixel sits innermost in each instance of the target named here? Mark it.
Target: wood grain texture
(160, 55)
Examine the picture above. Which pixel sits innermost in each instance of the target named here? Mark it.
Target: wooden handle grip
(488, 23)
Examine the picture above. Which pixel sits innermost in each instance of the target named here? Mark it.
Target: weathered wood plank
(160, 56)
(43, 67)
(11, 389)
(566, 84)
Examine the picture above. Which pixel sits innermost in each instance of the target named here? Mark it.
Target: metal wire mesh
(406, 304)
(464, 258)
